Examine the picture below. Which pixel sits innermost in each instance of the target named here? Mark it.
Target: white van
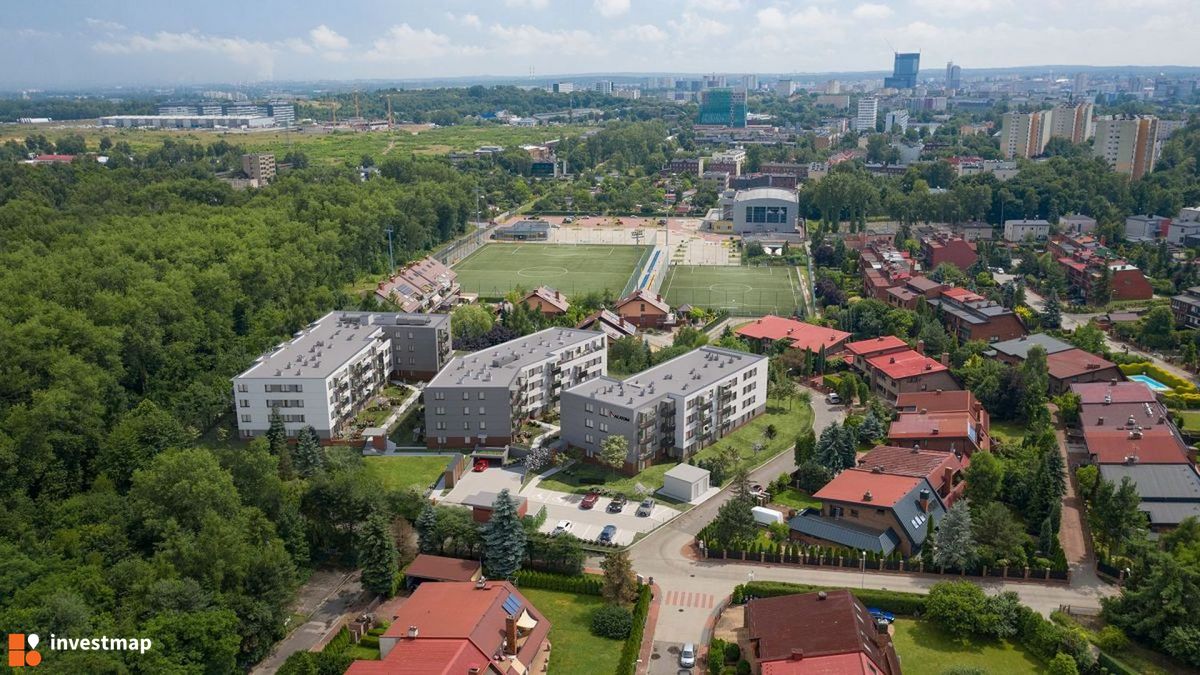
(765, 516)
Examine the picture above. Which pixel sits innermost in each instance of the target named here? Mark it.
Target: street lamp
(863, 562)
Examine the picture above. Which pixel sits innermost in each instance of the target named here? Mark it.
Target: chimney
(659, 296)
(867, 496)
(413, 632)
(946, 359)
(822, 595)
(797, 654)
(510, 635)
(921, 347)
(923, 500)
(557, 294)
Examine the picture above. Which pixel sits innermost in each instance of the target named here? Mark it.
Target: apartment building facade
(1073, 122)
(481, 399)
(329, 371)
(938, 249)
(1186, 308)
(1128, 143)
(1024, 134)
(971, 316)
(673, 409)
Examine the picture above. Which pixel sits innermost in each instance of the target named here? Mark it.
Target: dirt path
(390, 146)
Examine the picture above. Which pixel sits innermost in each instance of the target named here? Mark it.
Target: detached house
(892, 368)
(547, 301)
(971, 316)
(824, 633)
(645, 310)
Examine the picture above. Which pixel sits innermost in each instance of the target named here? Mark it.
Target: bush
(612, 621)
(369, 641)
(583, 584)
(1062, 664)
(716, 653)
(732, 652)
(897, 602)
(957, 606)
(633, 645)
(743, 667)
(1112, 639)
(811, 476)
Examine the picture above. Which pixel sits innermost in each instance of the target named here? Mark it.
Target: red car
(480, 465)
(589, 500)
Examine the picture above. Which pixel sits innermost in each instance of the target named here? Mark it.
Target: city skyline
(72, 43)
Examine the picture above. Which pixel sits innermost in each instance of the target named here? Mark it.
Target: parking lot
(490, 480)
(587, 523)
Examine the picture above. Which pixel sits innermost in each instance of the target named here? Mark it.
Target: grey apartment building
(673, 409)
(328, 371)
(481, 399)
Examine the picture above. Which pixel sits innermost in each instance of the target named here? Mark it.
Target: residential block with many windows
(324, 375)
(482, 399)
(673, 409)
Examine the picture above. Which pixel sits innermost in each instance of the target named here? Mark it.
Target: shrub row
(897, 602)
(1179, 384)
(633, 645)
(583, 584)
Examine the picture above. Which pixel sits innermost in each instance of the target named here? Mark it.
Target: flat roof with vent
(500, 365)
(683, 375)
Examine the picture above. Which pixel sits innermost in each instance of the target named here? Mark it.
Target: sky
(64, 43)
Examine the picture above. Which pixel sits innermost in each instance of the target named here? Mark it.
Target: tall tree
(310, 456)
(984, 478)
(955, 539)
(503, 538)
(828, 451)
(427, 530)
(805, 447)
(1036, 376)
(613, 450)
(734, 524)
(377, 555)
(1052, 311)
(1116, 515)
(620, 583)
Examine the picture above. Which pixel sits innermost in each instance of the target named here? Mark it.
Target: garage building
(685, 482)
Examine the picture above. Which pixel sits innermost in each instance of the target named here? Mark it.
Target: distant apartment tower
(333, 367)
(833, 87)
(904, 71)
(723, 107)
(953, 76)
(1080, 84)
(177, 109)
(749, 82)
(1024, 134)
(784, 88)
(562, 87)
(1128, 144)
(259, 167)
(481, 399)
(673, 409)
(868, 111)
(284, 113)
(1073, 122)
(603, 87)
(896, 121)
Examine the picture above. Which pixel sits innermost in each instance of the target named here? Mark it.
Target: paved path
(1073, 533)
(325, 598)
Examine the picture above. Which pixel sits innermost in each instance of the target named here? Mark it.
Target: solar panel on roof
(512, 605)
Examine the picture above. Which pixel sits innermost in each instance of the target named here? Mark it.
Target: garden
(401, 472)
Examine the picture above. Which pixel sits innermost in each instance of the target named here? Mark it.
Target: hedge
(369, 640)
(1114, 666)
(897, 602)
(633, 646)
(1179, 384)
(583, 584)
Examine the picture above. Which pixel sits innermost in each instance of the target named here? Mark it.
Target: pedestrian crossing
(689, 599)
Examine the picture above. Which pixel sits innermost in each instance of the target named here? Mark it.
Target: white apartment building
(1128, 144)
(324, 375)
(1074, 123)
(896, 121)
(1024, 134)
(673, 409)
(868, 111)
(1026, 230)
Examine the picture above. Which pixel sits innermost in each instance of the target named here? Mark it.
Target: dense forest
(129, 295)
(12, 109)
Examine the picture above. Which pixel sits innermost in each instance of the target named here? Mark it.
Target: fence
(884, 565)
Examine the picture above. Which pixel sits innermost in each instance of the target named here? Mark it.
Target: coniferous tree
(955, 539)
(276, 433)
(620, 583)
(503, 538)
(805, 447)
(1052, 313)
(377, 555)
(310, 456)
(427, 527)
(828, 451)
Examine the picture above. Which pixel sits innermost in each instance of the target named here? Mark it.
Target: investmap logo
(23, 647)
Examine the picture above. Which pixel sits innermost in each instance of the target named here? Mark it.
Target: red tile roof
(898, 461)
(1157, 445)
(1119, 392)
(426, 566)
(821, 630)
(937, 401)
(426, 657)
(649, 298)
(1075, 362)
(917, 425)
(875, 345)
(549, 296)
(904, 364)
(802, 335)
(853, 485)
(962, 294)
(836, 664)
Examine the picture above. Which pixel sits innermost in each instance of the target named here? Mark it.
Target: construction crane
(391, 121)
(357, 108)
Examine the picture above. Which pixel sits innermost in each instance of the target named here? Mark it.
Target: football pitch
(496, 269)
(745, 291)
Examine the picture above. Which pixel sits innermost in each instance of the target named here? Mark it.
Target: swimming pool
(1154, 384)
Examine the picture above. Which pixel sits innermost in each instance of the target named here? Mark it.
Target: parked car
(607, 534)
(757, 490)
(687, 655)
(832, 397)
(617, 504)
(589, 500)
(563, 527)
(645, 507)
(480, 465)
(881, 615)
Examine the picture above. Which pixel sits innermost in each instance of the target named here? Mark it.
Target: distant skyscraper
(868, 110)
(953, 76)
(723, 107)
(784, 88)
(749, 82)
(1025, 134)
(1081, 84)
(833, 87)
(904, 71)
(1128, 144)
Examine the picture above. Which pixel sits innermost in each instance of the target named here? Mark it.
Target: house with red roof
(937, 420)
(906, 295)
(426, 567)
(891, 371)
(454, 628)
(869, 510)
(824, 633)
(1083, 259)
(1074, 366)
(608, 322)
(645, 310)
(943, 470)
(945, 248)
(422, 286)
(547, 301)
(800, 335)
(882, 267)
(971, 316)
(858, 352)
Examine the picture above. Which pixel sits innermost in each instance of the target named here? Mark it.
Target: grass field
(397, 473)
(495, 269)
(747, 291)
(575, 650)
(924, 649)
(329, 148)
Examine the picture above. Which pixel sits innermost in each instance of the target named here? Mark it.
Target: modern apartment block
(325, 374)
(868, 111)
(1128, 144)
(1073, 122)
(481, 399)
(1024, 134)
(673, 409)
(1186, 308)
(259, 167)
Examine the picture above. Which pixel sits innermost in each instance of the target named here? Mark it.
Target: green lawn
(496, 269)
(788, 424)
(414, 419)
(397, 473)
(744, 291)
(1008, 432)
(925, 650)
(797, 499)
(1191, 420)
(575, 650)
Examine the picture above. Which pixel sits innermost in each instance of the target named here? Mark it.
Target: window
(853, 513)
(482, 396)
(588, 438)
(466, 395)
(589, 423)
(243, 388)
(441, 440)
(441, 410)
(439, 396)
(466, 410)
(412, 360)
(410, 335)
(246, 418)
(466, 426)
(440, 426)
(412, 348)
(482, 425)
(588, 407)
(604, 427)
(482, 410)
(244, 403)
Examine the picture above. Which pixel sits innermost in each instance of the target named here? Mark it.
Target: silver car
(687, 656)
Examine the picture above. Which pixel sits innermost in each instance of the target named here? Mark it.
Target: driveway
(324, 599)
(489, 480)
(589, 522)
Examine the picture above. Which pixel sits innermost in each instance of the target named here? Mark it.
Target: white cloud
(527, 4)
(611, 8)
(258, 55)
(103, 24)
(716, 5)
(870, 11)
(326, 38)
(402, 42)
(698, 28)
(960, 7)
(526, 39)
(808, 18)
(469, 20)
(642, 32)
